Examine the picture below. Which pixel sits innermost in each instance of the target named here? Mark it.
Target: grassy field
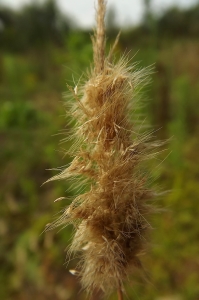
(32, 120)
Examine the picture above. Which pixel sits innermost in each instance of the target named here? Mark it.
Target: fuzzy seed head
(110, 217)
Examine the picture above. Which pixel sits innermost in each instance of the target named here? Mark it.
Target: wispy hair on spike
(110, 212)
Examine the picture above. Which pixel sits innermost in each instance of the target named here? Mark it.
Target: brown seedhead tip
(99, 38)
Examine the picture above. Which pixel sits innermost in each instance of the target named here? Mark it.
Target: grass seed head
(110, 217)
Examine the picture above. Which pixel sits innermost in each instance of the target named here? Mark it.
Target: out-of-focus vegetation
(41, 50)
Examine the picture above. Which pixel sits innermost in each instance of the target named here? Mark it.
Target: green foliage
(18, 115)
(35, 25)
(178, 22)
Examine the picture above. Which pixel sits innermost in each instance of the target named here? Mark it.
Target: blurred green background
(41, 50)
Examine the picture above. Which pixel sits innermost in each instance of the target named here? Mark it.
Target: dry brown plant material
(110, 217)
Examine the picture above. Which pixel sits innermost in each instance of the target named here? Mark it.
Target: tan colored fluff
(110, 218)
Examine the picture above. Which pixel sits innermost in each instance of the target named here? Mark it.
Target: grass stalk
(99, 41)
(120, 294)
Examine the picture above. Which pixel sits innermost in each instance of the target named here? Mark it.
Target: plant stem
(119, 294)
(99, 42)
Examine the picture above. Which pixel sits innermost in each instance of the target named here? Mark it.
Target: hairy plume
(109, 148)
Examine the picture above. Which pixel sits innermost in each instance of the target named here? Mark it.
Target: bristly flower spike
(110, 218)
